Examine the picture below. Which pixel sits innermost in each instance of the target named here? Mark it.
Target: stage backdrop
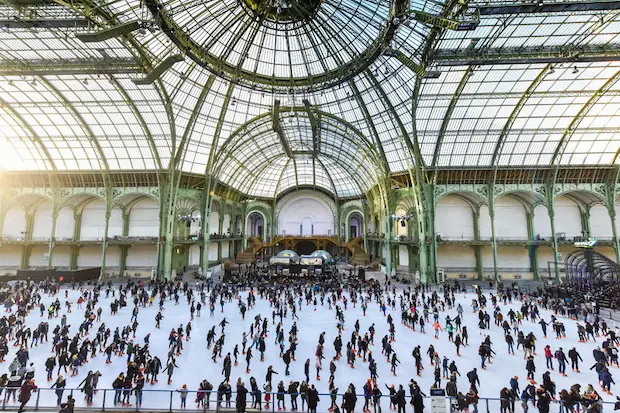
(305, 213)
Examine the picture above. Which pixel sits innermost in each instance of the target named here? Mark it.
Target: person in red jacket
(24, 393)
(549, 357)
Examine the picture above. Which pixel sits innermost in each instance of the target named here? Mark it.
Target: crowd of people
(416, 308)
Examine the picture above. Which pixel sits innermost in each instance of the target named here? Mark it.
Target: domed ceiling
(268, 95)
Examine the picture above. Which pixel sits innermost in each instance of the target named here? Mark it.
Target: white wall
(93, 222)
(194, 226)
(600, 222)
(115, 225)
(545, 256)
(42, 226)
(142, 256)
(194, 255)
(64, 225)
(542, 222)
(10, 256)
(14, 223)
(567, 217)
(226, 224)
(61, 256)
(225, 250)
(403, 255)
(213, 251)
(513, 257)
(487, 259)
(484, 222)
(454, 218)
(214, 222)
(510, 219)
(36, 256)
(144, 219)
(89, 256)
(113, 256)
(308, 211)
(455, 256)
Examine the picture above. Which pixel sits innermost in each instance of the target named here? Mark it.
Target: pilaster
(532, 247)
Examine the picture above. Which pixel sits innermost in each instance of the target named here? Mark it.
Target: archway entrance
(305, 247)
(355, 225)
(256, 225)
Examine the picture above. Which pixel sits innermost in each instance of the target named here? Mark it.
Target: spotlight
(575, 70)
(551, 70)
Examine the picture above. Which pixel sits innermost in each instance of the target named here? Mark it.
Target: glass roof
(274, 94)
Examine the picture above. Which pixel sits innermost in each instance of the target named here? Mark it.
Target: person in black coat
(242, 393)
(349, 399)
(418, 403)
(401, 399)
(313, 399)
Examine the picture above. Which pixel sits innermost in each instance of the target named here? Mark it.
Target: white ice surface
(195, 363)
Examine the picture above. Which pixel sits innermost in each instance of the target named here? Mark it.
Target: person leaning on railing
(313, 399)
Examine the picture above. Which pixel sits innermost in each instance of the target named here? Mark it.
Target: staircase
(359, 256)
(247, 256)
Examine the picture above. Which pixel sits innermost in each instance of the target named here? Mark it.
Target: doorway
(306, 227)
(305, 247)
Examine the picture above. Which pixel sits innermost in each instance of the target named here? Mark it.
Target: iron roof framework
(530, 85)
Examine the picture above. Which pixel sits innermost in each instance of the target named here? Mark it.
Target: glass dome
(287, 254)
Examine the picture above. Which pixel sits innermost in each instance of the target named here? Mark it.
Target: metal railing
(45, 399)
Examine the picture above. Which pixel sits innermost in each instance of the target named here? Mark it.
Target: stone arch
(528, 199)
(472, 198)
(77, 201)
(29, 202)
(582, 197)
(128, 201)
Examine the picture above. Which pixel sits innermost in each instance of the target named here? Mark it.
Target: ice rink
(195, 362)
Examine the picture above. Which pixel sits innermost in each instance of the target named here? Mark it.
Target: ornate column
(612, 216)
(77, 231)
(554, 241)
(220, 229)
(206, 221)
(27, 249)
(104, 244)
(388, 243)
(493, 240)
(477, 248)
(124, 252)
(585, 222)
(50, 250)
(532, 247)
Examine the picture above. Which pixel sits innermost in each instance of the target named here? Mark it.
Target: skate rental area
(322, 206)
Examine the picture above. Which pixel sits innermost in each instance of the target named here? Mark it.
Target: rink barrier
(44, 399)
